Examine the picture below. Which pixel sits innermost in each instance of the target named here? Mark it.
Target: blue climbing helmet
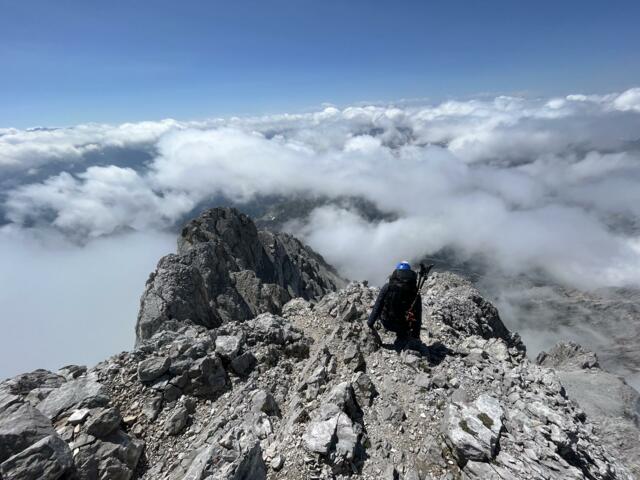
(404, 265)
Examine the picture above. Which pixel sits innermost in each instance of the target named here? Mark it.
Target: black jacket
(398, 323)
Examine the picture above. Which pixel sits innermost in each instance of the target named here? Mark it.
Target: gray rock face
(21, 425)
(333, 431)
(454, 302)
(462, 406)
(103, 422)
(501, 416)
(611, 404)
(114, 456)
(33, 386)
(30, 446)
(228, 346)
(472, 431)
(263, 401)
(47, 459)
(568, 356)
(225, 269)
(176, 422)
(152, 368)
(82, 392)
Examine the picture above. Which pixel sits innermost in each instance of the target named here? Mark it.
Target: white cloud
(21, 150)
(99, 201)
(529, 182)
(629, 100)
(64, 304)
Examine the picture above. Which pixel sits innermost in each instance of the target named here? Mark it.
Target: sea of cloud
(530, 184)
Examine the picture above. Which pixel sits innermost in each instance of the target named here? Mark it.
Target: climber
(399, 305)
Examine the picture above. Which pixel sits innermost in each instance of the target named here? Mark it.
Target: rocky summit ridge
(253, 361)
(226, 269)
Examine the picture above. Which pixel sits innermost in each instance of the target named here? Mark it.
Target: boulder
(83, 392)
(103, 422)
(332, 435)
(113, 457)
(152, 368)
(364, 389)
(207, 377)
(78, 416)
(263, 401)
(176, 421)
(472, 431)
(244, 364)
(334, 431)
(319, 436)
(151, 408)
(228, 346)
(21, 425)
(47, 459)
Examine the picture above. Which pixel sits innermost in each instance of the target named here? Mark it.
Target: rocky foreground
(300, 391)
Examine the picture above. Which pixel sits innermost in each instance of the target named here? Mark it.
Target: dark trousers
(399, 326)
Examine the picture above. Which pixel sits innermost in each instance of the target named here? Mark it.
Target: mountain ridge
(295, 388)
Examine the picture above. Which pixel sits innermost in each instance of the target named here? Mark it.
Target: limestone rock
(226, 269)
(47, 459)
(264, 401)
(243, 364)
(277, 463)
(152, 368)
(114, 456)
(103, 422)
(568, 356)
(83, 392)
(333, 432)
(606, 399)
(455, 302)
(228, 346)
(472, 431)
(364, 389)
(71, 372)
(33, 386)
(21, 425)
(177, 420)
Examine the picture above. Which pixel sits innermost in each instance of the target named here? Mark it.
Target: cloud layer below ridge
(546, 184)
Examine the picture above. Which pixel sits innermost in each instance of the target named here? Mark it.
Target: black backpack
(403, 290)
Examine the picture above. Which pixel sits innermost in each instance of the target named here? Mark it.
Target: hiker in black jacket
(399, 306)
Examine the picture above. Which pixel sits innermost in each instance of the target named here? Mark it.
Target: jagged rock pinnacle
(226, 269)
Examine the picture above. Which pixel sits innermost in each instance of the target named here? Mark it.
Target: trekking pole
(422, 278)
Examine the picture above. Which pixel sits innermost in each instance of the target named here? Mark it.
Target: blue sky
(67, 62)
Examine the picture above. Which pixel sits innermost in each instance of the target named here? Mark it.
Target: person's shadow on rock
(434, 353)
(438, 351)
